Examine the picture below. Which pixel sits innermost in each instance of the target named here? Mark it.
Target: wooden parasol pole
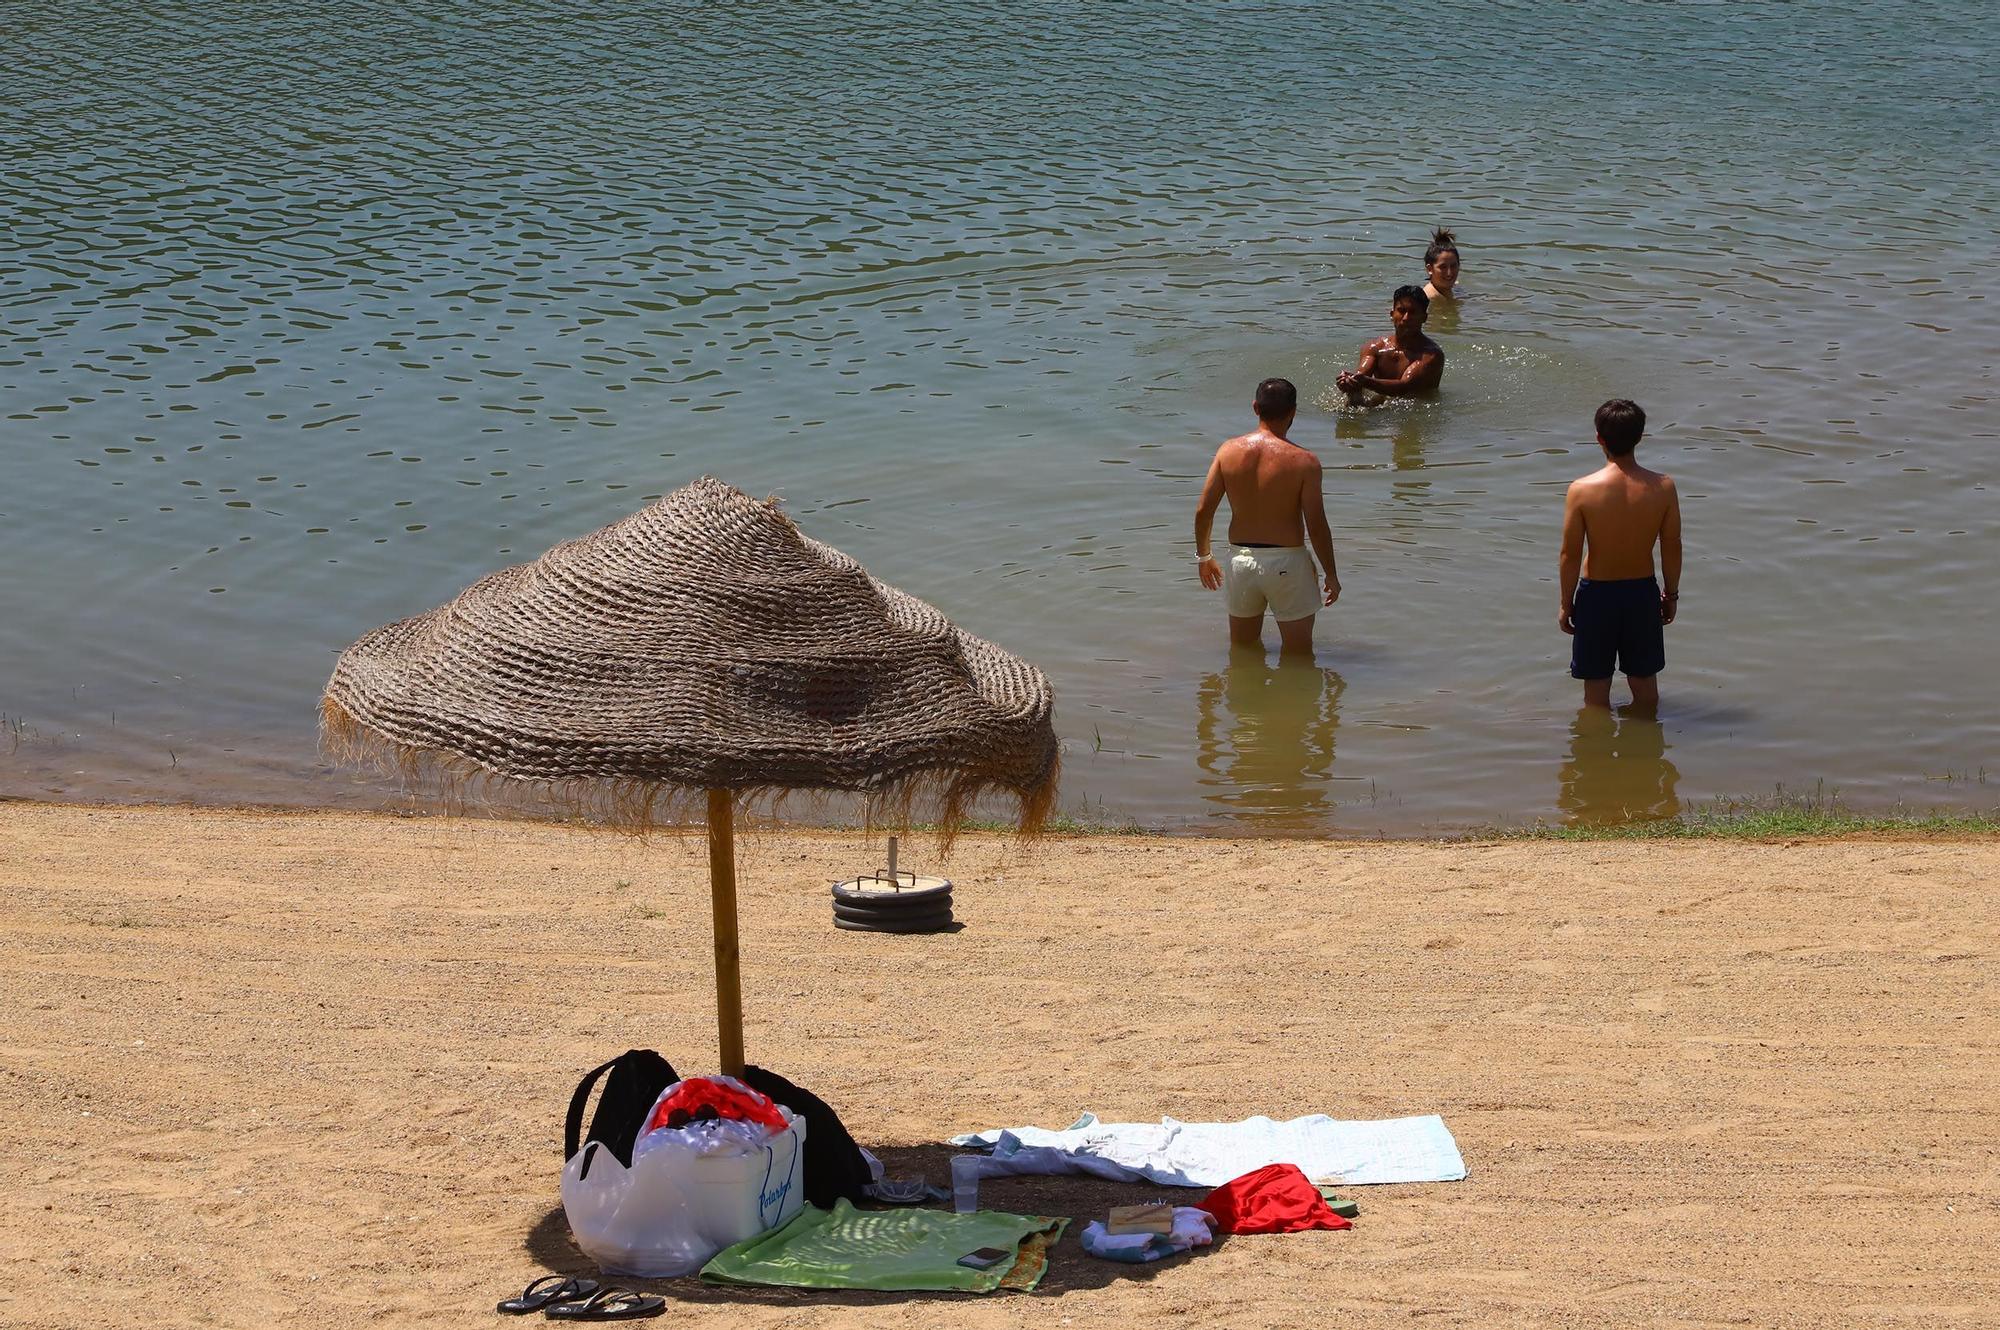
(722, 889)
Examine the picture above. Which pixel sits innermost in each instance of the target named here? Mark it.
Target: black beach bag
(835, 1166)
(636, 1078)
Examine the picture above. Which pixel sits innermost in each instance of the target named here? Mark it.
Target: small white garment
(1192, 1228)
(718, 1137)
(1208, 1154)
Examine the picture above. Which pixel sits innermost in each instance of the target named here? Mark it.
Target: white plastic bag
(690, 1192)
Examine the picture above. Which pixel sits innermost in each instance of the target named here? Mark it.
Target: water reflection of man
(1410, 428)
(1264, 739)
(1618, 769)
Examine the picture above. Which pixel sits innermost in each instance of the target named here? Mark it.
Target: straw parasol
(702, 650)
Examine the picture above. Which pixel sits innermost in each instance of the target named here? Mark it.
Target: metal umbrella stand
(881, 902)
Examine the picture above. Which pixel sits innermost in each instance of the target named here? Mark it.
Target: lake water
(308, 318)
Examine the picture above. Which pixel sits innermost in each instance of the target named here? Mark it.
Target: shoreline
(310, 1069)
(1805, 818)
(1960, 801)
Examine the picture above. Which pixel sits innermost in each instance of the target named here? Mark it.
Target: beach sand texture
(310, 1070)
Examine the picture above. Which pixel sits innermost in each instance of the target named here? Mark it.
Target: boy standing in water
(1273, 488)
(1405, 363)
(1617, 610)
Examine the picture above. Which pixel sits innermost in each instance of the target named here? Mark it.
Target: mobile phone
(984, 1257)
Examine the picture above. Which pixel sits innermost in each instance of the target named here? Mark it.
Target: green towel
(889, 1250)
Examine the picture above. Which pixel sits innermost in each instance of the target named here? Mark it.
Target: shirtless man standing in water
(1610, 522)
(1405, 363)
(1273, 488)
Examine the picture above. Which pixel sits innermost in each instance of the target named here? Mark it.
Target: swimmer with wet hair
(1441, 266)
(1405, 363)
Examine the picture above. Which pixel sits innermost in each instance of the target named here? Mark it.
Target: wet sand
(310, 1070)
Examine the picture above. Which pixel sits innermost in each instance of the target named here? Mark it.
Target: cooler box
(674, 1209)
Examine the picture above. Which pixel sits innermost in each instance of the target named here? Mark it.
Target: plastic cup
(965, 1184)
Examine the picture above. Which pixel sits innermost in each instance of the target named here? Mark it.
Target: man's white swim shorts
(1283, 579)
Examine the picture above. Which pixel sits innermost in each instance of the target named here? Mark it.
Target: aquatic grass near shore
(1059, 824)
(1780, 816)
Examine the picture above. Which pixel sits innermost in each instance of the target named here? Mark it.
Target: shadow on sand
(1080, 1199)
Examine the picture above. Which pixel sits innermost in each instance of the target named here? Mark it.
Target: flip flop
(1345, 1209)
(548, 1289)
(609, 1304)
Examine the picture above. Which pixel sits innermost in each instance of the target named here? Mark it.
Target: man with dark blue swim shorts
(1611, 603)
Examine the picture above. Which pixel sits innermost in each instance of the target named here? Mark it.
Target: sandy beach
(310, 1069)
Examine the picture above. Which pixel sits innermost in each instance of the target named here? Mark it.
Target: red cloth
(729, 1099)
(1275, 1199)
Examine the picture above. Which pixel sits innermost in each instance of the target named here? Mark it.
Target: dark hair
(1276, 399)
(1619, 424)
(1442, 242)
(1414, 293)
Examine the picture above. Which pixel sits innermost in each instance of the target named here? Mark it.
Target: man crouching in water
(1611, 603)
(1405, 363)
(1273, 487)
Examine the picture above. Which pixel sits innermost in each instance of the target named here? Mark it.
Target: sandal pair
(568, 1299)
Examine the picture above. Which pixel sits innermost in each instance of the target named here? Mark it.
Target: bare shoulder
(1658, 482)
(1237, 455)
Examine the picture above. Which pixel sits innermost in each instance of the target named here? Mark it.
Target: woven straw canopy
(701, 644)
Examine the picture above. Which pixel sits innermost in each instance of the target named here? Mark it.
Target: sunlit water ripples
(309, 318)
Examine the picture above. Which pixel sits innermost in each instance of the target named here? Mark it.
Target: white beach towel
(1208, 1154)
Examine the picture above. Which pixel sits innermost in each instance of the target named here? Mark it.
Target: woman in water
(1441, 266)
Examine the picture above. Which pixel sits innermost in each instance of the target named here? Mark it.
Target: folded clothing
(1157, 1217)
(1192, 1227)
(1276, 1199)
(889, 1250)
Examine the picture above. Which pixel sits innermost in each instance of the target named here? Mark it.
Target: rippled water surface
(311, 315)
